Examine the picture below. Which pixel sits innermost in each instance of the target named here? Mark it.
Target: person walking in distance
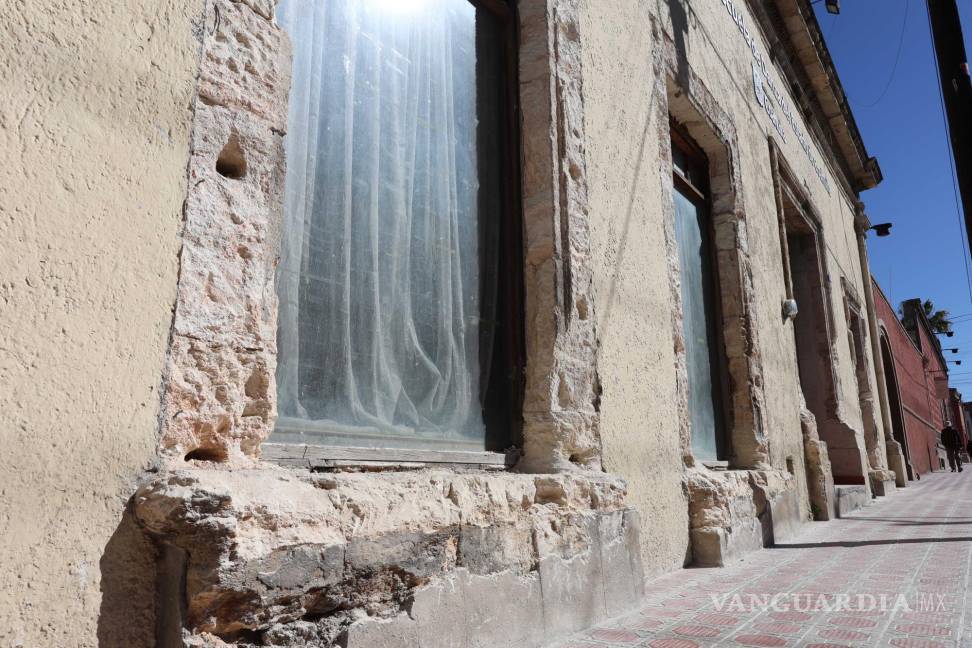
(953, 445)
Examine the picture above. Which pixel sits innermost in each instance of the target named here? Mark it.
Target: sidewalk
(893, 574)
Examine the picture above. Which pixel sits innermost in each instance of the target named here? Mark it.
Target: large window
(398, 281)
(704, 356)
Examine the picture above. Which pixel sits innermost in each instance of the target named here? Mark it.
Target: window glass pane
(380, 282)
(698, 321)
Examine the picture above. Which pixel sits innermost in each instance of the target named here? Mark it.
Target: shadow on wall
(680, 30)
(128, 566)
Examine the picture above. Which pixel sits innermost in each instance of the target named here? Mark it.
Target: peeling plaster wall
(94, 134)
(636, 362)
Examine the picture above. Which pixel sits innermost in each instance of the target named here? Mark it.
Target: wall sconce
(882, 229)
(833, 6)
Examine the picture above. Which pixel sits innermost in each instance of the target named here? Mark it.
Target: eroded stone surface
(734, 512)
(560, 413)
(820, 480)
(246, 61)
(272, 550)
(219, 399)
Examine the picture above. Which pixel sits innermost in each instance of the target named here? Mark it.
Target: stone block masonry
(276, 557)
(219, 395)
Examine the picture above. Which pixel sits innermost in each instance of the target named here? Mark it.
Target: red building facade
(916, 375)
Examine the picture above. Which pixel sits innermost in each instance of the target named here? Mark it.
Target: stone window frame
(858, 339)
(682, 140)
(219, 391)
(679, 93)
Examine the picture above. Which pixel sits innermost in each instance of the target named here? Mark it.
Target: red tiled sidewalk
(913, 549)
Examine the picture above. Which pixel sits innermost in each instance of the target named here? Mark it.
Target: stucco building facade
(676, 355)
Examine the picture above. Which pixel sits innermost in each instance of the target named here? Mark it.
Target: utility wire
(951, 158)
(897, 58)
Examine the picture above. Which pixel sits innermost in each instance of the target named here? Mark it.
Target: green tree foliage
(939, 319)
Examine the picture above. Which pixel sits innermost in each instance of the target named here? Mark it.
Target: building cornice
(798, 47)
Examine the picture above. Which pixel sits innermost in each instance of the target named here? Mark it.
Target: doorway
(894, 403)
(813, 332)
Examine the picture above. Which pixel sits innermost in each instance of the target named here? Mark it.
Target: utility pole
(953, 70)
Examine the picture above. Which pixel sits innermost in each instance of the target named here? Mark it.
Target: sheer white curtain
(379, 279)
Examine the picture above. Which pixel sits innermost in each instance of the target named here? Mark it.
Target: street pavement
(895, 573)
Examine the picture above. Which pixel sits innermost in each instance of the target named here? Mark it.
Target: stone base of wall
(267, 556)
(882, 482)
(820, 479)
(851, 498)
(897, 463)
(735, 512)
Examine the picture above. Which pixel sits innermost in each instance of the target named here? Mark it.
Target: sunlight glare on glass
(400, 7)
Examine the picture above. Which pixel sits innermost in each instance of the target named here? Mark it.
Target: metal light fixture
(955, 350)
(833, 6)
(956, 362)
(882, 229)
(946, 333)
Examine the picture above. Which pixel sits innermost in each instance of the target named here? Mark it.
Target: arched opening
(894, 401)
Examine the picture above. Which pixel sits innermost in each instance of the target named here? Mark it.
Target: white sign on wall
(767, 91)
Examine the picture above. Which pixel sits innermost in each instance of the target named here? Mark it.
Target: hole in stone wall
(216, 455)
(258, 384)
(231, 162)
(582, 308)
(789, 465)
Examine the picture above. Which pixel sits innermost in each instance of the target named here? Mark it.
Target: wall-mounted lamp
(882, 229)
(946, 333)
(955, 350)
(956, 362)
(833, 6)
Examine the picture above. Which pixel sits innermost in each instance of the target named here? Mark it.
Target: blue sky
(903, 127)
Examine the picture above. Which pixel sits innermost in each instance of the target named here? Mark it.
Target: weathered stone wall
(697, 66)
(560, 418)
(94, 131)
(220, 393)
(251, 554)
(274, 556)
(735, 512)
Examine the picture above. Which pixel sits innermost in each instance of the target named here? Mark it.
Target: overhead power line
(965, 228)
(897, 58)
